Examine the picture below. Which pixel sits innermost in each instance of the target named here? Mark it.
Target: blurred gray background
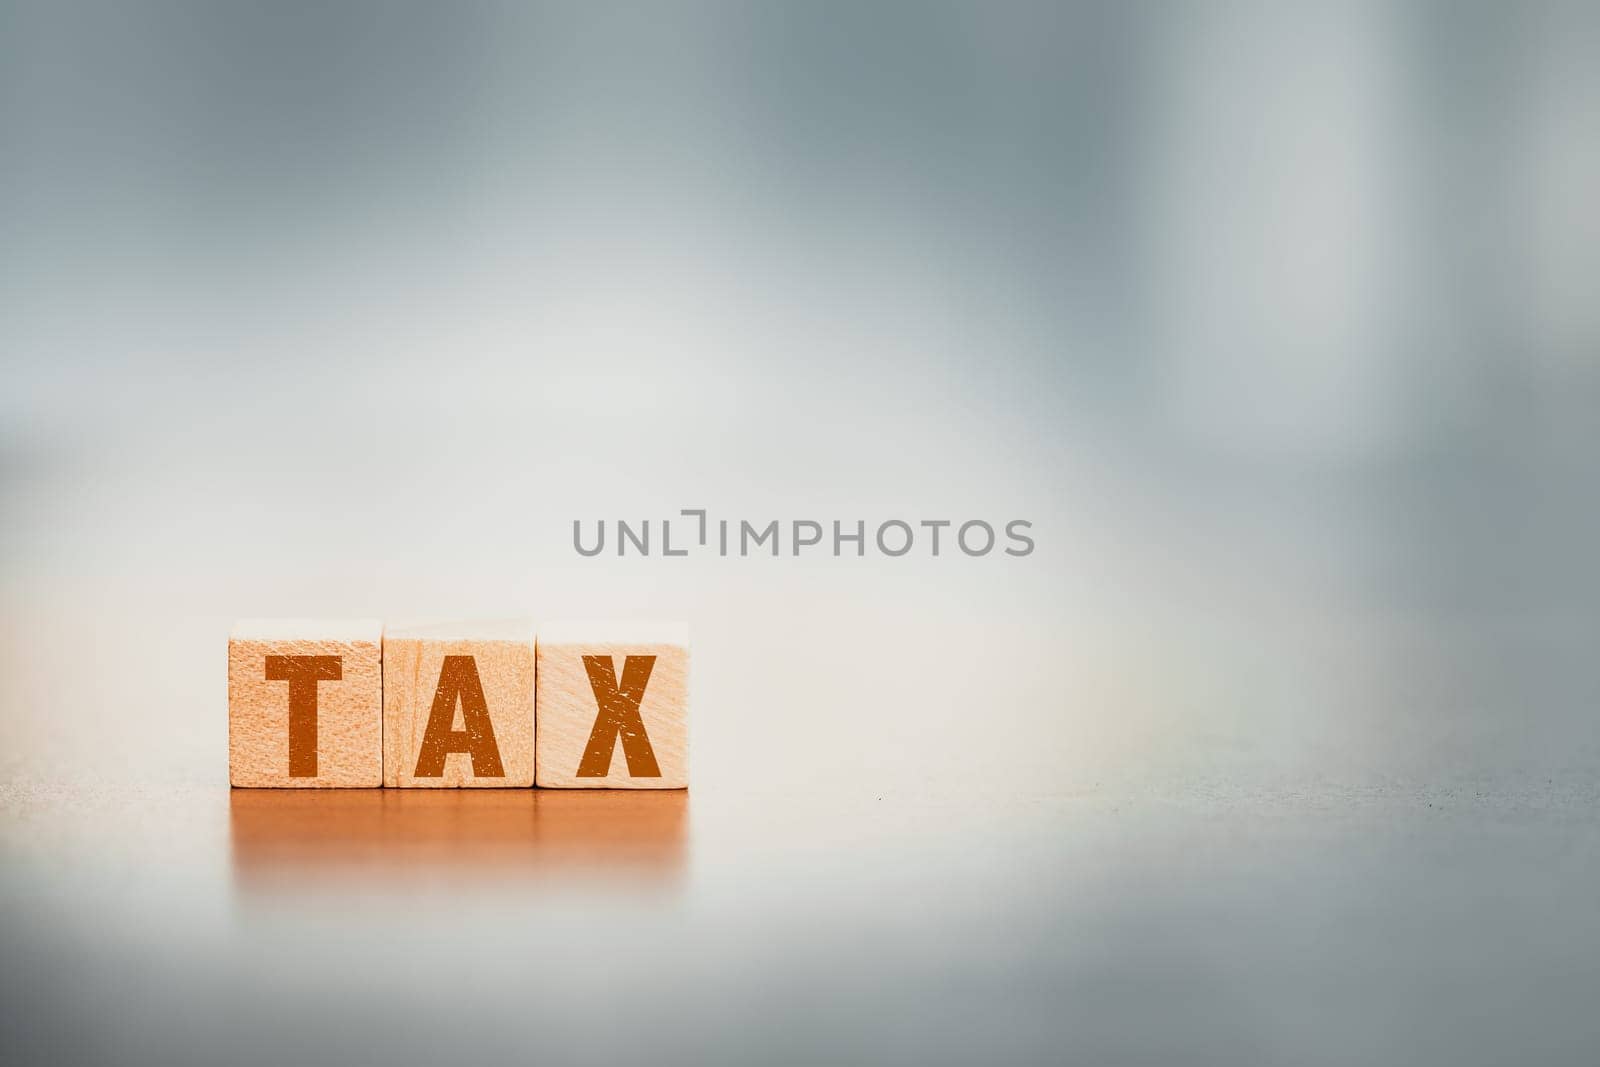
(1278, 321)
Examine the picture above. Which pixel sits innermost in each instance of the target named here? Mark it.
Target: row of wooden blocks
(355, 703)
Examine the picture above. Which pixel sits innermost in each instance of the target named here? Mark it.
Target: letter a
(458, 678)
(619, 715)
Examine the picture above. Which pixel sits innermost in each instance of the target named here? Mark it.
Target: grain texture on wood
(613, 706)
(305, 703)
(458, 704)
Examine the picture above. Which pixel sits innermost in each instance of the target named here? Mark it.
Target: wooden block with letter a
(458, 704)
(613, 706)
(305, 702)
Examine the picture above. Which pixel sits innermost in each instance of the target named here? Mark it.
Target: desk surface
(928, 901)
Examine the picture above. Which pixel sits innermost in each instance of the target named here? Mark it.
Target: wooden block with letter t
(305, 703)
(458, 704)
(613, 706)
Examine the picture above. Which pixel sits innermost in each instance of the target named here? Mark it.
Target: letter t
(303, 673)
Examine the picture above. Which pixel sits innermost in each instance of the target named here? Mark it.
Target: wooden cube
(305, 702)
(458, 704)
(613, 706)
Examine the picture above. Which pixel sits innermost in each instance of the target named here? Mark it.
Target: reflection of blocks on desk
(458, 706)
(305, 703)
(288, 838)
(601, 828)
(613, 703)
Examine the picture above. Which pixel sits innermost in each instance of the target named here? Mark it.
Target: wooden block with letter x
(305, 702)
(613, 706)
(458, 704)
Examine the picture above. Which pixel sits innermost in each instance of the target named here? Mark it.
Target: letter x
(619, 715)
